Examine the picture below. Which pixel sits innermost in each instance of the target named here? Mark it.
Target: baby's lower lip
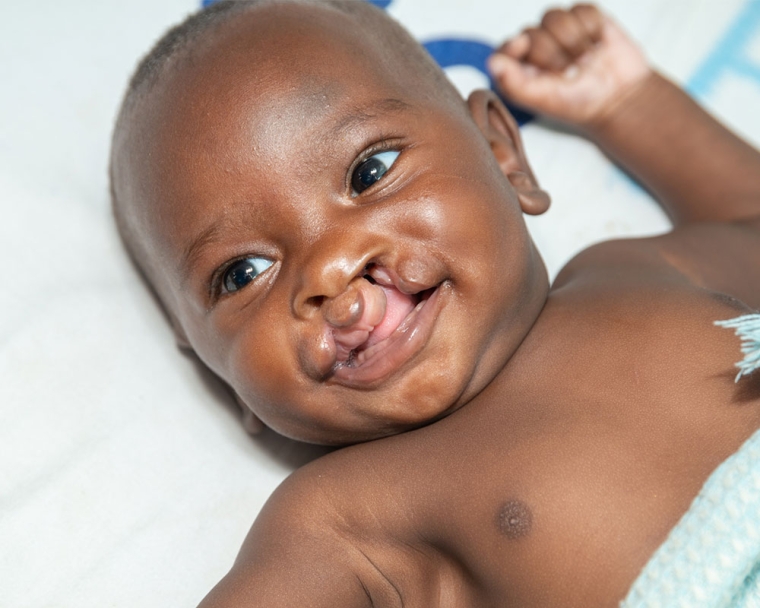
(372, 366)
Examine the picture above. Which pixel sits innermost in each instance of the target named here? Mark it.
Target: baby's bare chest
(559, 495)
(567, 519)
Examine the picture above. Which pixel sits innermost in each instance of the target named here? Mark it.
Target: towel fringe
(747, 327)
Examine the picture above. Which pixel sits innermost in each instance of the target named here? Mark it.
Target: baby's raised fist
(575, 66)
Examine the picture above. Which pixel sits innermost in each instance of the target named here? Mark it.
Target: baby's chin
(406, 416)
(369, 430)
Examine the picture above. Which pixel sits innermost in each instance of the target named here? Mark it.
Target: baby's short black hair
(182, 34)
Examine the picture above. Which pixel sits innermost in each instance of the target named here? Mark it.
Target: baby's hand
(576, 67)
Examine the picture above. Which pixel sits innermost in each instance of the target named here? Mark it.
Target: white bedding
(125, 476)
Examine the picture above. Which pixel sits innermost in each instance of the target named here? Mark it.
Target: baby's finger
(568, 31)
(591, 19)
(545, 52)
(517, 47)
(520, 82)
(527, 86)
(509, 73)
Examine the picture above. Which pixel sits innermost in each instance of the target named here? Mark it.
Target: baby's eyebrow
(360, 114)
(194, 250)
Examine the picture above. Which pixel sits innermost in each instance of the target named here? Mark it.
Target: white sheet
(125, 477)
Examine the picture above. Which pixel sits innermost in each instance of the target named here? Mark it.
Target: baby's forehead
(298, 61)
(313, 47)
(267, 69)
(286, 38)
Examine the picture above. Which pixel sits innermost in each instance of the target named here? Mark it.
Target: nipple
(514, 519)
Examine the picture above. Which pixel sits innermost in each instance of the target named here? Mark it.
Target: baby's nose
(360, 307)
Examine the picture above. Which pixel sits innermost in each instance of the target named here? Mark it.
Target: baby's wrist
(636, 97)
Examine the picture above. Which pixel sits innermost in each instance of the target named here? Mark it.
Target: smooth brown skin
(572, 426)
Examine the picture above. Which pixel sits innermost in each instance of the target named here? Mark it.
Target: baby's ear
(502, 133)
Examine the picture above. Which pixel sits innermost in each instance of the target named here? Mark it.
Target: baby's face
(339, 246)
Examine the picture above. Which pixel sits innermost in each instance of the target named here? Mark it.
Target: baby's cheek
(261, 369)
(437, 379)
(268, 376)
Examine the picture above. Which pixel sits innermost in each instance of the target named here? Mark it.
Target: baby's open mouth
(393, 327)
(400, 310)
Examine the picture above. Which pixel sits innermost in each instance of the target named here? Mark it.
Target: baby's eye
(371, 170)
(242, 272)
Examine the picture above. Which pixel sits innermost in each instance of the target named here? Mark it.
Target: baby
(340, 238)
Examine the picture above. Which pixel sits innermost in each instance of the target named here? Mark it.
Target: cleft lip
(368, 367)
(389, 277)
(340, 355)
(416, 300)
(401, 298)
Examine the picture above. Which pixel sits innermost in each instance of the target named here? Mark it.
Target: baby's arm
(579, 68)
(295, 555)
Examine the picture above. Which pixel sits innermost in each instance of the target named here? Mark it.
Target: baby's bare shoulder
(327, 536)
(650, 304)
(637, 317)
(722, 258)
(301, 549)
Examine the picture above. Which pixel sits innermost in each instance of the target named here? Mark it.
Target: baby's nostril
(315, 301)
(367, 273)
